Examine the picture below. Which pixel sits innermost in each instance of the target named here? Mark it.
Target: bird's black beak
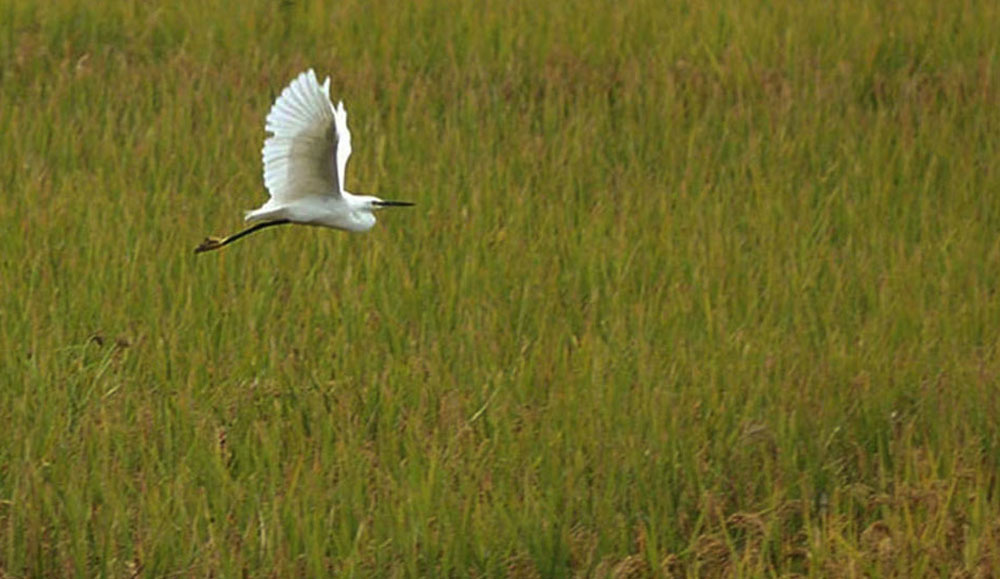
(393, 203)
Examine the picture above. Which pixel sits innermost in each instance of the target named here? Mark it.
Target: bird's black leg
(211, 243)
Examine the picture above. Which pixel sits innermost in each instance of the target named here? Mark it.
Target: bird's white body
(305, 160)
(350, 212)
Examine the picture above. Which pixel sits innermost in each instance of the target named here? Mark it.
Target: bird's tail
(264, 213)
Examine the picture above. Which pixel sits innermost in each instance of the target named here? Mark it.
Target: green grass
(704, 288)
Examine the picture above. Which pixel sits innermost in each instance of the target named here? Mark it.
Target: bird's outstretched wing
(343, 142)
(309, 146)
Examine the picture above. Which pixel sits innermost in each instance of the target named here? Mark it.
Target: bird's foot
(209, 244)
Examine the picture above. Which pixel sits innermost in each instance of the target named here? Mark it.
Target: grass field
(693, 288)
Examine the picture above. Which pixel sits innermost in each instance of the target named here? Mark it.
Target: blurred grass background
(703, 288)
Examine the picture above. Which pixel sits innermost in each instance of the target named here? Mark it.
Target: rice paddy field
(691, 289)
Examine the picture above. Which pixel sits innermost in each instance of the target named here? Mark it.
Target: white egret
(305, 160)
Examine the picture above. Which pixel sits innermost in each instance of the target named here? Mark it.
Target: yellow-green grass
(690, 287)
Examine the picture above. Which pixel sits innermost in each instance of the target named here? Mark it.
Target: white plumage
(305, 164)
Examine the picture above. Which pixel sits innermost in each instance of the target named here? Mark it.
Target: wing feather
(301, 157)
(344, 144)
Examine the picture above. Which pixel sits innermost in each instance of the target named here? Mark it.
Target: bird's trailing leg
(211, 243)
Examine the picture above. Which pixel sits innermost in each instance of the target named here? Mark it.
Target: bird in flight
(305, 160)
